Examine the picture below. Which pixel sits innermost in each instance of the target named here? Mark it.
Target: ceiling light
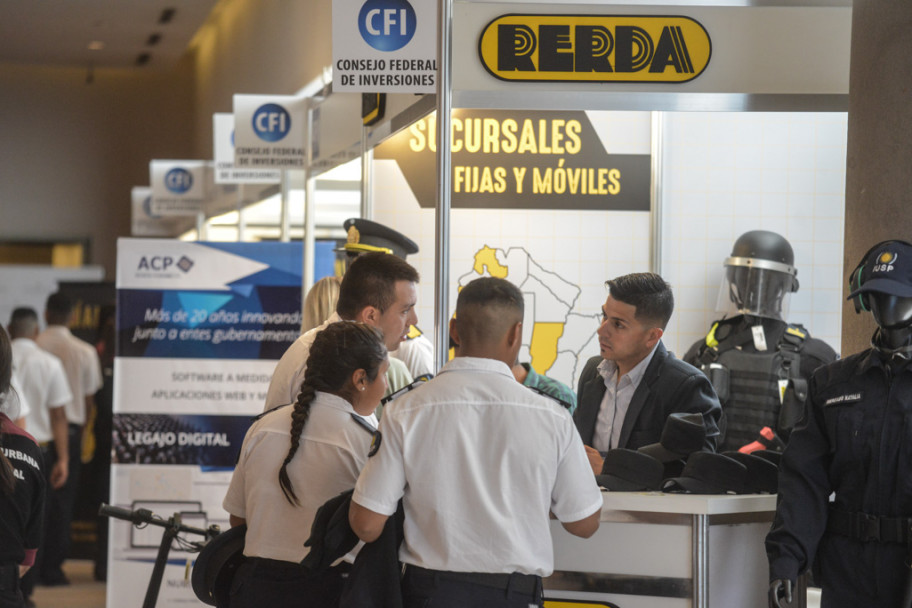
(143, 58)
(153, 39)
(96, 45)
(167, 15)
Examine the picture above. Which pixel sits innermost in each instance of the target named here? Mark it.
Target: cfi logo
(885, 262)
(271, 122)
(387, 25)
(178, 180)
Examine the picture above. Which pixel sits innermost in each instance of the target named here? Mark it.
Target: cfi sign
(587, 48)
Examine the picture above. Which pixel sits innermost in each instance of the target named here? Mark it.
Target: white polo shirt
(479, 461)
(332, 451)
(289, 372)
(43, 383)
(80, 362)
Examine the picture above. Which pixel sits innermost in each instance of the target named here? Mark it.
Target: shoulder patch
(375, 443)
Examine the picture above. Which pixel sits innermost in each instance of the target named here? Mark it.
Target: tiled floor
(82, 592)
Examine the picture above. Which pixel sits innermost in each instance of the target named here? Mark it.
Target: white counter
(655, 550)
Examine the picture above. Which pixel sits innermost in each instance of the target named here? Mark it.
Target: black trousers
(437, 589)
(58, 514)
(259, 583)
(10, 596)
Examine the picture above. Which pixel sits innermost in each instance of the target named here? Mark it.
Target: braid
(298, 420)
(7, 478)
(336, 353)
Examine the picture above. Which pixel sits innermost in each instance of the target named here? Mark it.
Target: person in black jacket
(22, 491)
(626, 394)
(845, 489)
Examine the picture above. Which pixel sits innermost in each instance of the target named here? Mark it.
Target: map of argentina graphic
(555, 333)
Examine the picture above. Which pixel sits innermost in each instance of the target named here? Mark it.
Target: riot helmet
(759, 276)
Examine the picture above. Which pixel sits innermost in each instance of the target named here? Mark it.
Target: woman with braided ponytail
(21, 491)
(295, 458)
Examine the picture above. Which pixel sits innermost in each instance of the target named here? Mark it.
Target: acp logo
(178, 180)
(387, 25)
(585, 48)
(163, 263)
(271, 122)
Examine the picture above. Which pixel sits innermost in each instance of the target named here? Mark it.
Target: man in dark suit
(626, 394)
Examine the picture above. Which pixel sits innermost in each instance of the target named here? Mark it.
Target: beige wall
(257, 47)
(70, 152)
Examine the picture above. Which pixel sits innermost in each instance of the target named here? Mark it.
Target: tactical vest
(748, 384)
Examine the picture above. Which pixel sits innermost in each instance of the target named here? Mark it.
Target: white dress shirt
(616, 401)
(479, 460)
(81, 364)
(43, 383)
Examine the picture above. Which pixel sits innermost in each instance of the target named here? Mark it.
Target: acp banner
(223, 146)
(199, 329)
(178, 186)
(384, 46)
(522, 160)
(269, 131)
(200, 325)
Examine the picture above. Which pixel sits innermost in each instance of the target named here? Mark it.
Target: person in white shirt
(378, 289)
(83, 372)
(296, 458)
(479, 462)
(44, 385)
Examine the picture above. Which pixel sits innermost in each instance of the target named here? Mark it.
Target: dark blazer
(669, 385)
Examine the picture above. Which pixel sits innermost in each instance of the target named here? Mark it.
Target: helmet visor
(749, 290)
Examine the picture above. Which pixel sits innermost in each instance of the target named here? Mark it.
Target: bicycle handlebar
(145, 516)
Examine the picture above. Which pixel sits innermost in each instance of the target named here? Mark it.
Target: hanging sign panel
(146, 223)
(384, 46)
(522, 160)
(178, 186)
(617, 48)
(223, 146)
(269, 131)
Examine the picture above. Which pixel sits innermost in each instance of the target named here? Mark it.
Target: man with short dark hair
(83, 371)
(378, 289)
(479, 461)
(626, 394)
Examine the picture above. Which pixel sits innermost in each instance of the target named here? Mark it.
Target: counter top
(696, 504)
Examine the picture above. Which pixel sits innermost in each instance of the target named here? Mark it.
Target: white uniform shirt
(44, 385)
(479, 461)
(417, 354)
(616, 401)
(332, 451)
(289, 372)
(80, 362)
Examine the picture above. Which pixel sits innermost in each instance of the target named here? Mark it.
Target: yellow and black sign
(590, 48)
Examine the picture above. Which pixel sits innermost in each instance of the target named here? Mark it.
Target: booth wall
(250, 47)
(71, 150)
(727, 173)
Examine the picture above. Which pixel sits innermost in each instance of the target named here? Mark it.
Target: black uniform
(21, 513)
(751, 399)
(856, 441)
